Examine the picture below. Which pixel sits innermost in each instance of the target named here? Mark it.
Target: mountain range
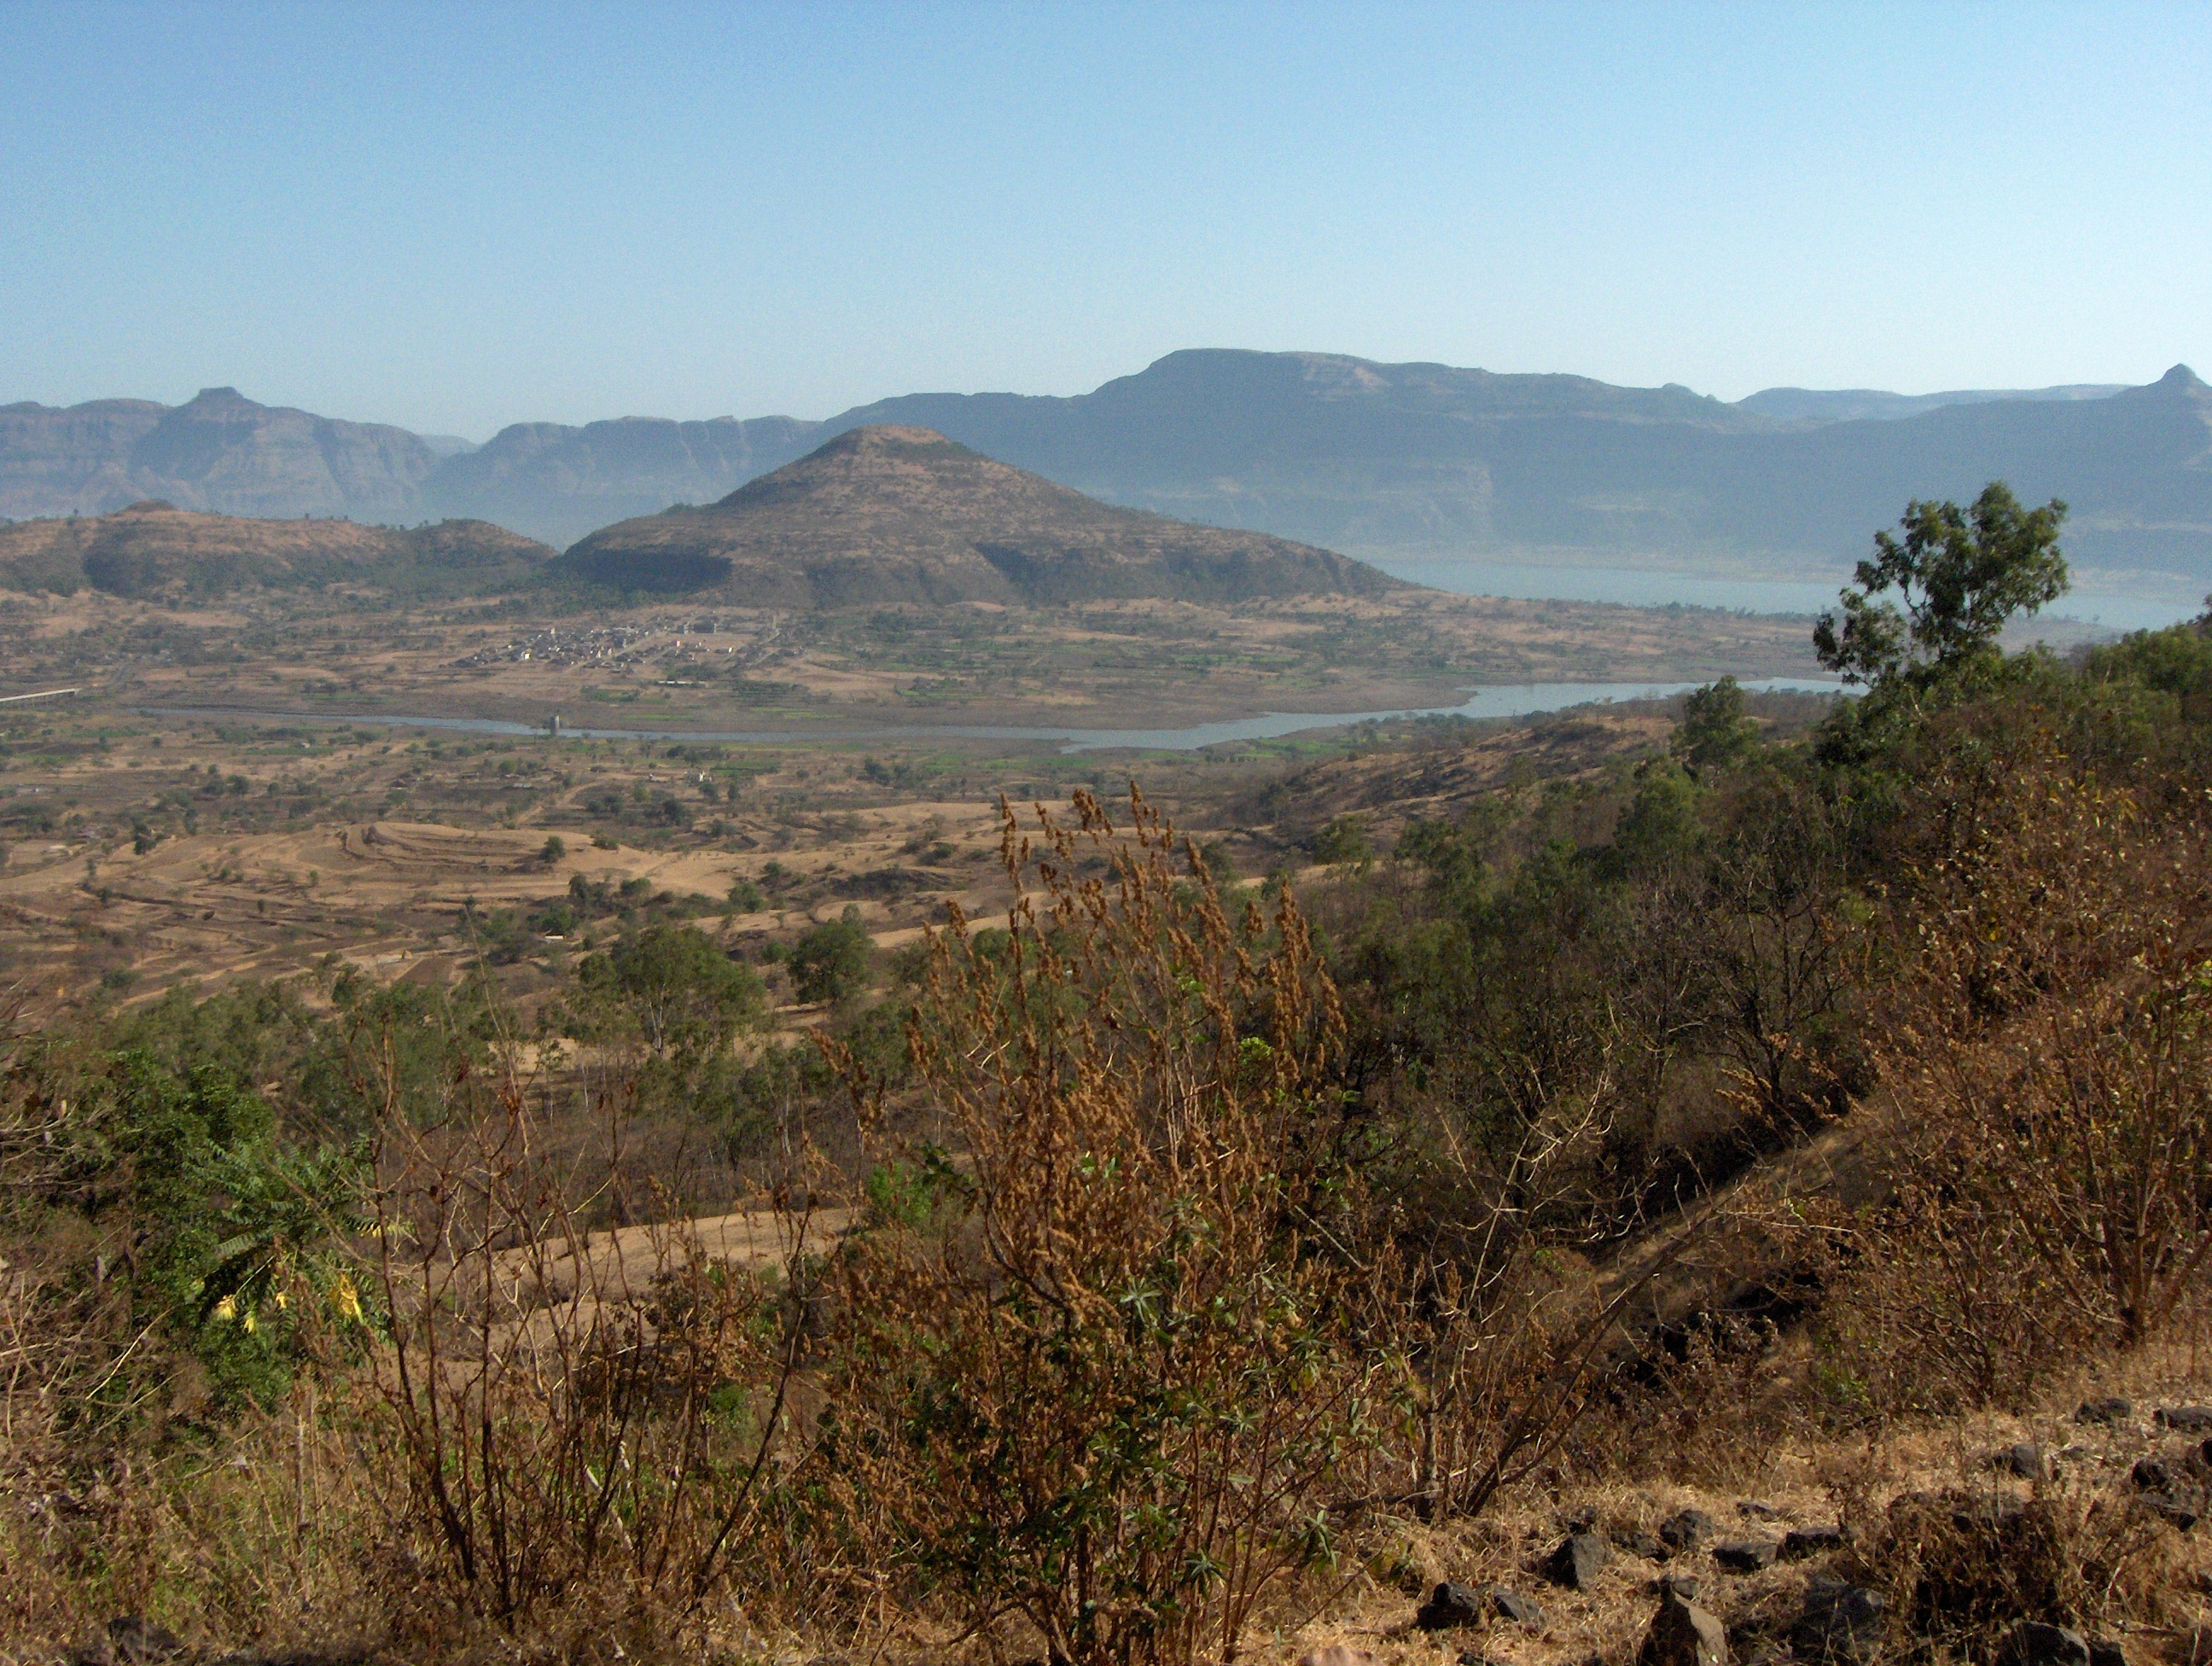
(887, 515)
(1408, 460)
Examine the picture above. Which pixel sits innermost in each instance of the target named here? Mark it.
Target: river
(1522, 701)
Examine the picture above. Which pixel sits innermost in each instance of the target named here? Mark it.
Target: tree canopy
(1960, 574)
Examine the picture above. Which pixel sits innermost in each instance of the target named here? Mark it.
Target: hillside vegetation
(1702, 1171)
(154, 550)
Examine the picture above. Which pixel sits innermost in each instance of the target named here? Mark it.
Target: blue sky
(457, 216)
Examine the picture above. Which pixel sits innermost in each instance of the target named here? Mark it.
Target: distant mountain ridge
(1852, 405)
(1415, 460)
(889, 514)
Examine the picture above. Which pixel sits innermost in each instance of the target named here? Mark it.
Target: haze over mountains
(1412, 460)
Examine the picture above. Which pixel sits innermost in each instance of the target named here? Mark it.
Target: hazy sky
(457, 216)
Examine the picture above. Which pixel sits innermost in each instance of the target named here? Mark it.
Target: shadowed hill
(884, 515)
(154, 550)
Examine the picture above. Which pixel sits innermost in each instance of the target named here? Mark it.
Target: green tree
(1714, 732)
(830, 963)
(686, 998)
(1960, 576)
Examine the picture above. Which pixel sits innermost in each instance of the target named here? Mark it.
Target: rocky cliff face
(221, 451)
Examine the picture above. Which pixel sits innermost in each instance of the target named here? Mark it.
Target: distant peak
(888, 439)
(149, 505)
(2180, 376)
(219, 395)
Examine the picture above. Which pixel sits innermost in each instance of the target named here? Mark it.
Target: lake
(1638, 587)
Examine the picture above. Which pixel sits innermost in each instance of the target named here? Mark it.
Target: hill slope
(885, 515)
(154, 550)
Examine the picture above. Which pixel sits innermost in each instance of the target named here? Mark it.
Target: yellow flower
(346, 1299)
(227, 1309)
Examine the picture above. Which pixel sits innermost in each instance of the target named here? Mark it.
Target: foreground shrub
(2051, 1069)
(1105, 1381)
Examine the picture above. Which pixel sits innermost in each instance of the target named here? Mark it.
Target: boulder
(1760, 1511)
(2024, 1459)
(1840, 1623)
(1684, 1585)
(1686, 1529)
(1578, 1560)
(2175, 1509)
(1520, 1610)
(1745, 1555)
(1799, 1543)
(2109, 1408)
(2033, 1643)
(1683, 1634)
(1450, 1606)
(2106, 1651)
(2192, 1418)
(2150, 1475)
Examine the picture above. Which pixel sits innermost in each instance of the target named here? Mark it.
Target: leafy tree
(1714, 732)
(830, 963)
(685, 997)
(1343, 842)
(1960, 576)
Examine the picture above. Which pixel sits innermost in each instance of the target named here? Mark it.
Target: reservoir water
(1639, 588)
(1522, 701)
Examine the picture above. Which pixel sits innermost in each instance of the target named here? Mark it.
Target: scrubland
(536, 1200)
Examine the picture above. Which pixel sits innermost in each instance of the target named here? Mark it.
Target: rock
(2150, 1475)
(1841, 1622)
(1745, 1555)
(1450, 1606)
(131, 1640)
(2106, 1651)
(1638, 1542)
(1520, 1610)
(1337, 1654)
(1760, 1511)
(1577, 1562)
(2177, 1512)
(1686, 1529)
(2183, 1417)
(2033, 1643)
(2025, 1460)
(1684, 1585)
(1683, 1634)
(1802, 1541)
(1472, 1658)
(2109, 1409)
